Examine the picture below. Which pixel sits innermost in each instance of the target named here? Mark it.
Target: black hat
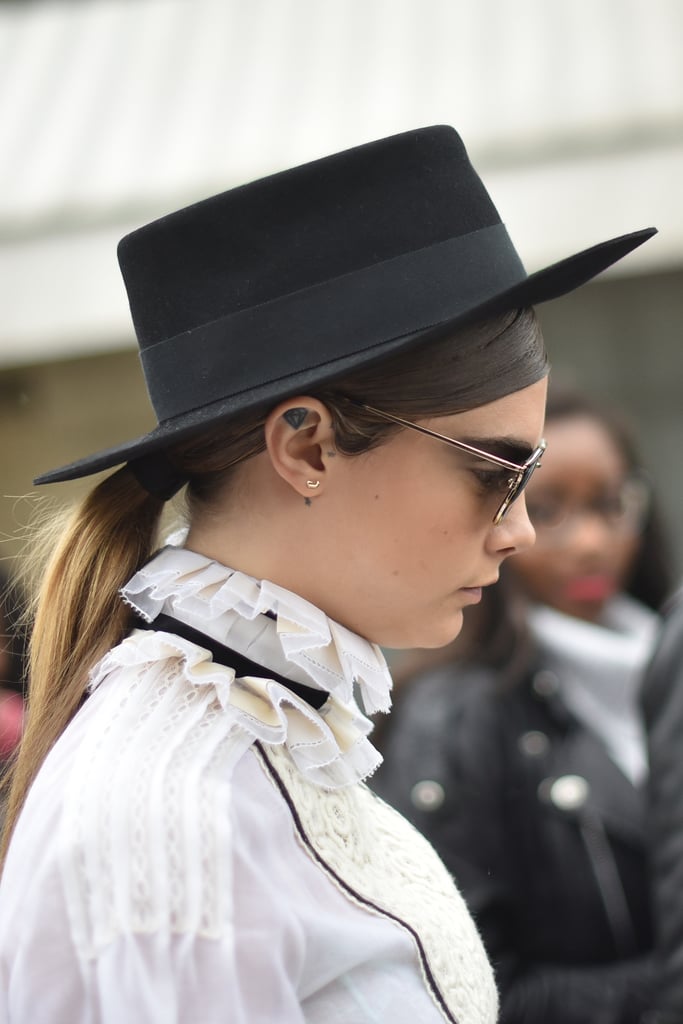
(277, 286)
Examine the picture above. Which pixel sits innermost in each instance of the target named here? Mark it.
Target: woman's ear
(300, 443)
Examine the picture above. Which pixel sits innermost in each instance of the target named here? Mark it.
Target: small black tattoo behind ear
(295, 417)
(307, 501)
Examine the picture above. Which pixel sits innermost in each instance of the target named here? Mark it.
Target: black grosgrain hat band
(376, 304)
(294, 280)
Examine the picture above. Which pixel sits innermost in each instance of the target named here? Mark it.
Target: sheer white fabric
(345, 829)
(158, 873)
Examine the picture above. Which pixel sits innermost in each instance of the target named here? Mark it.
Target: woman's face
(584, 549)
(410, 537)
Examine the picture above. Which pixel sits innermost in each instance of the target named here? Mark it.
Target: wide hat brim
(320, 366)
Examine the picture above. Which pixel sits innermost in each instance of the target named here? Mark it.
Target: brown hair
(78, 612)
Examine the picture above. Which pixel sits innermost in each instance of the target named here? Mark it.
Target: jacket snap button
(545, 684)
(427, 795)
(533, 743)
(569, 792)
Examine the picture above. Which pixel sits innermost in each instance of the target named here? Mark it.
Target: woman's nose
(515, 531)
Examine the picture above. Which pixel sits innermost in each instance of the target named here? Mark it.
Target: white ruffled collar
(294, 638)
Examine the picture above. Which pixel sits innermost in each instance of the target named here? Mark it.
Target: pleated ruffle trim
(329, 746)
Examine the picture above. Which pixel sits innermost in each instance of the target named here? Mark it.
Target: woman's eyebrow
(511, 448)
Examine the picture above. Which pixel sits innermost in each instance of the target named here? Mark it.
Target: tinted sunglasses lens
(517, 486)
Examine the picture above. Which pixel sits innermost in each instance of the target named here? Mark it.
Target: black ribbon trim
(359, 310)
(224, 655)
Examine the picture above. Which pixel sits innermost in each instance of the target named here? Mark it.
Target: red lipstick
(595, 587)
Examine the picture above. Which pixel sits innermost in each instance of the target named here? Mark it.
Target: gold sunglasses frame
(523, 472)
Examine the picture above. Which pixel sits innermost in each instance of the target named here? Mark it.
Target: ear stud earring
(313, 484)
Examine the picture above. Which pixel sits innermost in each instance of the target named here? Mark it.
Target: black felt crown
(285, 283)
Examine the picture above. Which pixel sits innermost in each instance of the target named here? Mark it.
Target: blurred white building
(113, 112)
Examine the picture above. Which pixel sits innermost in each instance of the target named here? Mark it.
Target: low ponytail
(110, 535)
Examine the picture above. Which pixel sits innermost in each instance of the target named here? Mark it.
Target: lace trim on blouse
(329, 746)
(407, 883)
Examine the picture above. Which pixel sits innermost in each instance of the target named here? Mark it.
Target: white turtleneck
(599, 667)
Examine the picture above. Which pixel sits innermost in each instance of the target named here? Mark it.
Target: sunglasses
(521, 474)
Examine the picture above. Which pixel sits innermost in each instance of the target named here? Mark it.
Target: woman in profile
(523, 758)
(349, 381)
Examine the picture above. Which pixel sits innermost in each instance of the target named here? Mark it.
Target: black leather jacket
(663, 706)
(543, 834)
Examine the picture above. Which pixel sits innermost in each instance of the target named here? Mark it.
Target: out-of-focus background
(113, 112)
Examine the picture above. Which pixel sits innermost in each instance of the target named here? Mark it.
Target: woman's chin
(429, 638)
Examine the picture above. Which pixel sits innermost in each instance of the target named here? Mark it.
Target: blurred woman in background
(12, 668)
(523, 758)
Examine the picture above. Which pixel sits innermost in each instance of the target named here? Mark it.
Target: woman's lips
(595, 587)
(474, 593)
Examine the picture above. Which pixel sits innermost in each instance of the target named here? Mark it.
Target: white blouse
(200, 848)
